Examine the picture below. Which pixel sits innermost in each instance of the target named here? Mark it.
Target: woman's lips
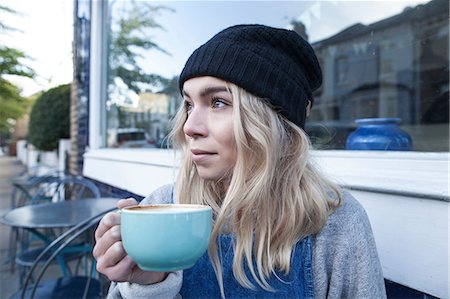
(201, 155)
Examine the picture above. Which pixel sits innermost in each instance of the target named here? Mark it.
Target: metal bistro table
(64, 214)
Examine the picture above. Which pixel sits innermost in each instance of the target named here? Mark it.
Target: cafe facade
(396, 67)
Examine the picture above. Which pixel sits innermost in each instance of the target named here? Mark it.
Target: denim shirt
(200, 280)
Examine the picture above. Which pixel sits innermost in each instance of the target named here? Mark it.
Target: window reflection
(393, 67)
(396, 67)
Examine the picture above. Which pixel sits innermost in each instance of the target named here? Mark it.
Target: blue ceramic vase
(379, 134)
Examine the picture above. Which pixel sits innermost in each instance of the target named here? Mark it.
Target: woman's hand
(112, 260)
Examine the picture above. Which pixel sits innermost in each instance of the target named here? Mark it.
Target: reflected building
(151, 114)
(397, 67)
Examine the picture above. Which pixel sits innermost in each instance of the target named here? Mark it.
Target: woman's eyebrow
(213, 89)
(209, 90)
(185, 93)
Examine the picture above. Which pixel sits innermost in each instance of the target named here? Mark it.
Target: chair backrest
(55, 248)
(67, 187)
(40, 170)
(25, 187)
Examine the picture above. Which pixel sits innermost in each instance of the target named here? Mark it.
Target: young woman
(281, 229)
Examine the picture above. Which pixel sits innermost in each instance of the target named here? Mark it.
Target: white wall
(22, 151)
(412, 240)
(411, 230)
(32, 157)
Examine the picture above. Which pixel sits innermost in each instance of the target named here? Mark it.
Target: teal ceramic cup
(166, 237)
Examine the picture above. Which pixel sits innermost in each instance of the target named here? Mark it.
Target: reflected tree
(132, 25)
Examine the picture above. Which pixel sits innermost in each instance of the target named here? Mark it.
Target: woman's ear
(308, 108)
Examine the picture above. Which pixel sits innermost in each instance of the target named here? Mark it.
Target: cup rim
(191, 208)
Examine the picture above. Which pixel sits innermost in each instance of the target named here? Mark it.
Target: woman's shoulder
(348, 216)
(163, 194)
(346, 225)
(345, 258)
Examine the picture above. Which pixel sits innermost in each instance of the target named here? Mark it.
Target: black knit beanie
(271, 63)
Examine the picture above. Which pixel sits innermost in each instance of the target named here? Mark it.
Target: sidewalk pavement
(9, 168)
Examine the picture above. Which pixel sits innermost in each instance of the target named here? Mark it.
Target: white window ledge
(414, 174)
(139, 171)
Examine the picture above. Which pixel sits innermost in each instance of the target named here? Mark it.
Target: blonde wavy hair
(273, 197)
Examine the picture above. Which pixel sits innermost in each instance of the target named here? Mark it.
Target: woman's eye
(218, 103)
(188, 106)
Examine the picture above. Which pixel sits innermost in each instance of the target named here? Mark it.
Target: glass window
(379, 62)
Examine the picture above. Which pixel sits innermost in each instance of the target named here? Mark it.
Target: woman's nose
(196, 124)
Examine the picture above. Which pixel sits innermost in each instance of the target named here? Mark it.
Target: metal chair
(75, 286)
(26, 184)
(55, 189)
(67, 187)
(24, 187)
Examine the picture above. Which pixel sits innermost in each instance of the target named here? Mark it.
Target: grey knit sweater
(345, 260)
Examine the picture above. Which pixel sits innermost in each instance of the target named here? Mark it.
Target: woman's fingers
(126, 202)
(123, 270)
(113, 218)
(115, 264)
(112, 256)
(108, 249)
(109, 220)
(109, 238)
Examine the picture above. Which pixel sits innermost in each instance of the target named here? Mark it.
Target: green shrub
(50, 118)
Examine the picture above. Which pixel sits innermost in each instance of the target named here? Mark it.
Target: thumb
(126, 202)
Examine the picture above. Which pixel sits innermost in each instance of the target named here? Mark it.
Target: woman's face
(209, 126)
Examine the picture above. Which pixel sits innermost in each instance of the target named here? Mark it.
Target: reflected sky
(193, 22)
